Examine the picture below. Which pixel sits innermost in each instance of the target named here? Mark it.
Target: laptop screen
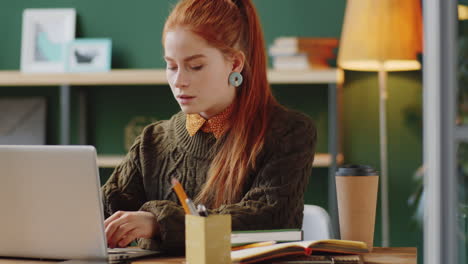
(50, 202)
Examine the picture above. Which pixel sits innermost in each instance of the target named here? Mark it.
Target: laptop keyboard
(117, 254)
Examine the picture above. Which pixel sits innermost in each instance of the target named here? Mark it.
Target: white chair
(316, 224)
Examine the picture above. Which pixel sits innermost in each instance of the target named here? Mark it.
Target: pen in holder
(208, 239)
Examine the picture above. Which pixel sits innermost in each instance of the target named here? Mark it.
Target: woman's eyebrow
(196, 56)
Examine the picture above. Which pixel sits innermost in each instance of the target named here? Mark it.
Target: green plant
(416, 200)
(463, 80)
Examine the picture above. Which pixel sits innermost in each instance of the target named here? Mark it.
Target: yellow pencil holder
(208, 239)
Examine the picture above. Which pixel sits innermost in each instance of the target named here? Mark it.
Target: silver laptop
(50, 204)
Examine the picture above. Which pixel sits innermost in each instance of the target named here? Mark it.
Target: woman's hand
(124, 227)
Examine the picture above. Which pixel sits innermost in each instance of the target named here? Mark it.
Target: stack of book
(287, 247)
(302, 53)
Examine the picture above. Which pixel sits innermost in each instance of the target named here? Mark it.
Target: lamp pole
(383, 157)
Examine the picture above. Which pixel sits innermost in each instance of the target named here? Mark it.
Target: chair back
(316, 224)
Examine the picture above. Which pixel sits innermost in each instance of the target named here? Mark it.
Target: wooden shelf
(111, 161)
(151, 77)
(114, 77)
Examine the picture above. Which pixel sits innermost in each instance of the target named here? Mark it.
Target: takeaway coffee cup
(356, 188)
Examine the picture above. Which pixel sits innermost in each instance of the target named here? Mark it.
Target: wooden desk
(406, 255)
(402, 255)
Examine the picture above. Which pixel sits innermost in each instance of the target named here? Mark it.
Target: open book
(252, 255)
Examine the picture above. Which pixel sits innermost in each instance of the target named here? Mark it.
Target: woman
(233, 147)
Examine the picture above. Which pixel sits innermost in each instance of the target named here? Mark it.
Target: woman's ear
(238, 60)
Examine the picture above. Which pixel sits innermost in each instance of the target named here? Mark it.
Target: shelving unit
(152, 77)
(333, 77)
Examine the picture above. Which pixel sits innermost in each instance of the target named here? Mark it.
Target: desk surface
(406, 255)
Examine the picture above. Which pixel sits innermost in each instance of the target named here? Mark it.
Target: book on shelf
(294, 45)
(298, 53)
(305, 41)
(296, 249)
(301, 62)
(254, 236)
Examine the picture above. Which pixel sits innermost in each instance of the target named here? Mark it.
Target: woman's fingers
(128, 238)
(112, 218)
(121, 232)
(123, 227)
(114, 225)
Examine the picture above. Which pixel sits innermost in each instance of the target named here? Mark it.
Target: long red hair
(232, 26)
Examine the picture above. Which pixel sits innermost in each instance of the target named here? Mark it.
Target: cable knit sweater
(272, 198)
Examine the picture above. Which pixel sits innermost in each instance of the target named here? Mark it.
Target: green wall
(135, 29)
(135, 26)
(404, 128)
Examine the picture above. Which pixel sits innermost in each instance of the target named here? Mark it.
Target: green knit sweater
(273, 196)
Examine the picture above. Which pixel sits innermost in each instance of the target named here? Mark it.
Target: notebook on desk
(51, 204)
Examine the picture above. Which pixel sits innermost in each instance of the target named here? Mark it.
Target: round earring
(235, 79)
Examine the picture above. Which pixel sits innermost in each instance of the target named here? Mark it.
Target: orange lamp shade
(381, 35)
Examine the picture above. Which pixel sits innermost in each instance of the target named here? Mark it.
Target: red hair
(232, 26)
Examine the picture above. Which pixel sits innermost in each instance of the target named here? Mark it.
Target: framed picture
(24, 122)
(45, 34)
(89, 55)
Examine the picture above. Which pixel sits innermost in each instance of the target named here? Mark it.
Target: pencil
(191, 206)
(254, 245)
(177, 187)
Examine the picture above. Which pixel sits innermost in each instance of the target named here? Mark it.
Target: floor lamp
(381, 36)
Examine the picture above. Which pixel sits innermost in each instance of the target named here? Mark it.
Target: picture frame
(25, 121)
(45, 34)
(89, 55)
